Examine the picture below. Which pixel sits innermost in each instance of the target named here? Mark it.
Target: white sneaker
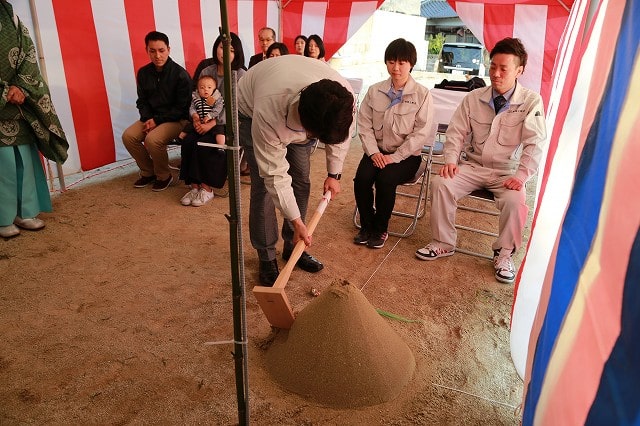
(503, 264)
(189, 197)
(433, 251)
(202, 198)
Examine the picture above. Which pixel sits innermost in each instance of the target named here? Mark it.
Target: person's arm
(335, 155)
(366, 130)
(193, 110)
(534, 136)
(458, 130)
(218, 106)
(270, 154)
(142, 103)
(273, 166)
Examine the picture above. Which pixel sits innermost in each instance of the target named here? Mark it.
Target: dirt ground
(105, 315)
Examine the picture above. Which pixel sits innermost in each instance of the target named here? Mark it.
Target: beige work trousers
(150, 150)
(445, 193)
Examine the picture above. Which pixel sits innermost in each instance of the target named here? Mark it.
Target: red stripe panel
(232, 16)
(556, 20)
(291, 23)
(85, 82)
(140, 21)
(192, 39)
(336, 25)
(259, 21)
(498, 23)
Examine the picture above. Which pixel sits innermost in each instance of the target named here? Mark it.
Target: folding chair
(481, 215)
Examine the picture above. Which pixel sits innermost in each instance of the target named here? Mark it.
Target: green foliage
(435, 43)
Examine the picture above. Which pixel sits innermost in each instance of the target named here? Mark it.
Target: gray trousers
(263, 222)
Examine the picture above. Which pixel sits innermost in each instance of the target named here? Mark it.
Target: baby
(206, 105)
(203, 167)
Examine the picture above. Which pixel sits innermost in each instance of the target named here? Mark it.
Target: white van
(464, 58)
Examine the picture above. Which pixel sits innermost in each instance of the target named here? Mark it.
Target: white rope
(477, 396)
(215, 145)
(225, 342)
(383, 260)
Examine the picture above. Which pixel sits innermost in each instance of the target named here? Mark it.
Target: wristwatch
(336, 176)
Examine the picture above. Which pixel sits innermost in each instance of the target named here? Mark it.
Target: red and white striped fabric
(93, 48)
(538, 23)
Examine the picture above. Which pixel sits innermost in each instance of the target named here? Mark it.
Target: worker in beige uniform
(284, 105)
(504, 126)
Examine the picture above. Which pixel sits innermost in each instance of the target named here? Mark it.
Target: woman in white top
(393, 125)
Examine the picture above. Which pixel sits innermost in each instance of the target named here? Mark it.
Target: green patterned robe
(36, 117)
(24, 129)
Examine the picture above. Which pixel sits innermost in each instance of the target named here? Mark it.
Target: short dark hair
(238, 51)
(401, 50)
(156, 36)
(511, 46)
(326, 111)
(207, 76)
(280, 46)
(302, 37)
(319, 42)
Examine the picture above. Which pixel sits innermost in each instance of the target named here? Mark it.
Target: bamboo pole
(43, 71)
(235, 227)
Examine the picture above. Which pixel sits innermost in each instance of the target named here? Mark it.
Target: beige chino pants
(150, 150)
(445, 193)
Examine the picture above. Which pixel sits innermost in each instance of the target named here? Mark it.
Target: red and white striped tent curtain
(538, 23)
(92, 48)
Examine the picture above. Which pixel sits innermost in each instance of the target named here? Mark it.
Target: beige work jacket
(511, 141)
(401, 130)
(269, 94)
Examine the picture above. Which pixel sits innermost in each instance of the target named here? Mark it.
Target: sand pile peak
(340, 352)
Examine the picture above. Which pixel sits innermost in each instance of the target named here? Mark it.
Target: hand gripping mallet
(273, 300)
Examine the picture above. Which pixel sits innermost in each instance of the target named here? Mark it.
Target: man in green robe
(28, 125)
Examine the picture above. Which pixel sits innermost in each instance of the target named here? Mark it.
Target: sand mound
(341, 353)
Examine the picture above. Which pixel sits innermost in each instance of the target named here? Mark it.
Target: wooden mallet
(273, 300)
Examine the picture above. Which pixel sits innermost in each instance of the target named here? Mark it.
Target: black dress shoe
(306, 262)
(268, 272)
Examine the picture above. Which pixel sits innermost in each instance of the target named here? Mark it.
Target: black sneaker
(161, 185)
(144, 181)
(377, 240)
(362, 237)
(268, 272)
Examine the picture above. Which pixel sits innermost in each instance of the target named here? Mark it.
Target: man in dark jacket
(164, 95)
(266, 37)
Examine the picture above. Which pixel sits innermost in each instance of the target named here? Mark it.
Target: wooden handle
(284, 275)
